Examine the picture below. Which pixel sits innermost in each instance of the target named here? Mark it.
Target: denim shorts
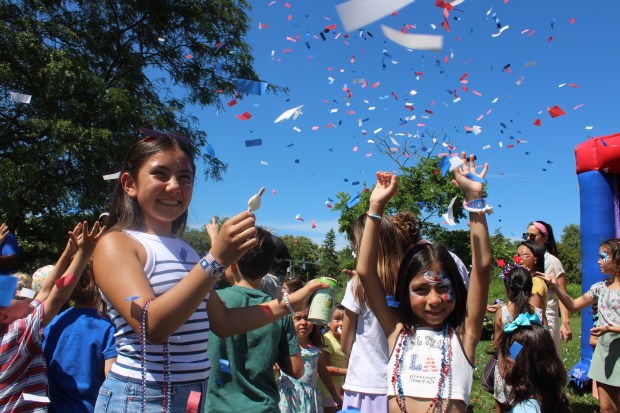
(120, 396)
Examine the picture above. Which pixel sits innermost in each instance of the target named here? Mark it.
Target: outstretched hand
(384, 190)
(235, 237)
(86, 240)
(212, 229)
(468, 185)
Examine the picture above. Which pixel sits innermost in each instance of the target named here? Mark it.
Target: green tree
(198, 239)
(97, 71)
(421, 187)
(304, 256)
(328, 264)
(456, 241)
(569, 251)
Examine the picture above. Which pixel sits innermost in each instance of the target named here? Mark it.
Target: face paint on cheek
(604, 256)
(448, 296)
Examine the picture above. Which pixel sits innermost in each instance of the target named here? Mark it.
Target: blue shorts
(119, 396)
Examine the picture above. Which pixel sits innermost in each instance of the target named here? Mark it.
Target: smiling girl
(156, 286)
(433, 336)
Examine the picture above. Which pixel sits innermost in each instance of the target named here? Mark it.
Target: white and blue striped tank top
(169, 259)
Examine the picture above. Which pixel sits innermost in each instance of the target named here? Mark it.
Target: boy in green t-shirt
(242, 377)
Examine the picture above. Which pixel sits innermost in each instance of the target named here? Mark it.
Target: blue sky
(532, 180)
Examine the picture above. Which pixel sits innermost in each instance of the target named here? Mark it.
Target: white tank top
(169, 259)
(421, 356)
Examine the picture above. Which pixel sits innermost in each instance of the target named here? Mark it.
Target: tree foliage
(328, 263)
(304, 256)
(569, 251)
(198, 239)
(98, 70)
(421, 187)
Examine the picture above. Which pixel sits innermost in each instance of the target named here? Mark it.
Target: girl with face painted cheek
(438, 323)
(605, 366)
(541, 233)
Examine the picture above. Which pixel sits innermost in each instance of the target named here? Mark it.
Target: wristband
(287, 302)
(371, 215)
(478, 205)
(213, 268)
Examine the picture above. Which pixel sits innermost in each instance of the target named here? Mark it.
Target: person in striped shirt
(23, 381)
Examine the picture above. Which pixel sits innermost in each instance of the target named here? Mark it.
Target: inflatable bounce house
(598, 172)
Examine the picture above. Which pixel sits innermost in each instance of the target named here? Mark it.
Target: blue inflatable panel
(596, 193)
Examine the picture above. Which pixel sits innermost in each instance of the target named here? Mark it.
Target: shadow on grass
(584, 407)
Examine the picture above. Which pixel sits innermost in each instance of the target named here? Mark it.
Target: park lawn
(481, 401)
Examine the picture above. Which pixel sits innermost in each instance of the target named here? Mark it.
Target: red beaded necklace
(403, 343)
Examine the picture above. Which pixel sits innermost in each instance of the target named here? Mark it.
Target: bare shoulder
(117, 244)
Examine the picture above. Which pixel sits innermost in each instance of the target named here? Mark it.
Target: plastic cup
(323, 303)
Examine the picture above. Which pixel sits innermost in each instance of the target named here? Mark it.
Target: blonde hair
(25, 280)
(390, 254)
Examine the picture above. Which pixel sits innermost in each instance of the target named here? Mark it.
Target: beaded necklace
(167, 385)
(403, 344)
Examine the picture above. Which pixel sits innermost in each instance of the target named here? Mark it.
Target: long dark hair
(537, 371)
(538, 252)
(125, 211)
(550, 243)
(518, 283)
(416, 261)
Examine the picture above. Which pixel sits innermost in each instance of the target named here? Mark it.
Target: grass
(481, 401)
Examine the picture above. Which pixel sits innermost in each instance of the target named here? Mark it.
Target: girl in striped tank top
(157, 287)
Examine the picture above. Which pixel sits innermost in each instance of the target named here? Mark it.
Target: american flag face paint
(438, 281)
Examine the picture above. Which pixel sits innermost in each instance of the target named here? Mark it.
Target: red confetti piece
(510, 146)
(244, 116)
(573, 85)
(189, 56)
(428, 111)
(556, 111)
(287, 50)
(537, 122)
(65, 280)
(464, 76)
(262, 26)
(232, 103)
(475, 92)
(572, 20)
(394, 95)
(419, 73)
(313, 224)
(288, 6)
(550, 39)
(331, 27)
(374, 85)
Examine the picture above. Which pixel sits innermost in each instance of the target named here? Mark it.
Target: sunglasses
(528, 237)
(149, 135)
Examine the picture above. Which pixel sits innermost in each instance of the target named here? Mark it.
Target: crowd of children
(148, 330)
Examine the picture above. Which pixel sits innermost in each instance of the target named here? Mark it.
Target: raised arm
(62, 264)
(571, 304)
(478, 292)
(366, 269)
(62, 291)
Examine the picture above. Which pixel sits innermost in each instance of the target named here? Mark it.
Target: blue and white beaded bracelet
(213, 268)
(478, 205)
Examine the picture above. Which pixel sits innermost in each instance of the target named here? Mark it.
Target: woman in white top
(542, 233)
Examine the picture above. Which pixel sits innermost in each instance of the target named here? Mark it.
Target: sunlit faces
(302, 326)
(528, 260)
(432, 297)
(335, 326)
(163, 189)
(605, 262)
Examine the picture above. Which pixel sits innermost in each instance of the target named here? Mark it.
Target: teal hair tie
(523, 320)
